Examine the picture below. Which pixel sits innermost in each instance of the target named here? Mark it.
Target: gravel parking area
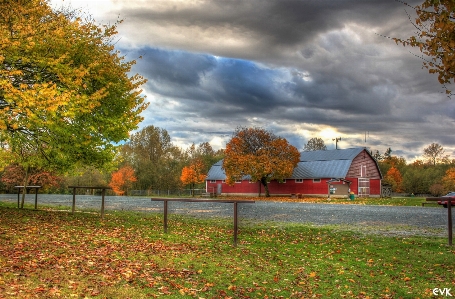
(390, 220)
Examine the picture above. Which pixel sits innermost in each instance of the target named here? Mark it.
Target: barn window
(212, 181)
(282, 181)
(363, 171)
(223, 181)
(316, 180)
(238, 181)
(299, 180)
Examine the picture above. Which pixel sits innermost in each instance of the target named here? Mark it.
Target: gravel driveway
(431, 221)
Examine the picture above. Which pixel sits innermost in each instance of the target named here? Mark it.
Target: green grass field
(389, 201)
(54, 254)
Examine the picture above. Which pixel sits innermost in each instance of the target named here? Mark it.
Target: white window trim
(298, 181)
(317, 181)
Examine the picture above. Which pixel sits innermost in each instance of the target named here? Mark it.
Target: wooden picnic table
(19, 188)
(103, 193)
(234, 202)
(450, 202)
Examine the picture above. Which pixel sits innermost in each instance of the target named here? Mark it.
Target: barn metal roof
(331, 155)
(321, 169)
(312, 165)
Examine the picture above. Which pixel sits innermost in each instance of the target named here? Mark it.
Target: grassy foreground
(53, 254)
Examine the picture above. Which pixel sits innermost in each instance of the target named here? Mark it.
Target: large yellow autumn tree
(65, 93)
(260, 154)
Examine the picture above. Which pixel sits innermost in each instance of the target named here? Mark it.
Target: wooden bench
(234, 202)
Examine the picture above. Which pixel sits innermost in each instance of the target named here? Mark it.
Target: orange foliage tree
(260, 154)
(122, 180)
(193, 174)
(13, 175)
(394, 178)
(449, 179)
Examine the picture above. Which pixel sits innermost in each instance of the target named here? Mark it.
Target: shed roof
(312, 165)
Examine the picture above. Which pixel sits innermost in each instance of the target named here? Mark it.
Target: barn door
(364, 187)
(218, 189)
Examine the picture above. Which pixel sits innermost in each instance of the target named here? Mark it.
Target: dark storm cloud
(252, 88)
(270, 26)
(177, 68)
(245, 87)
(200, 78)
(244, 84)
(343, 93)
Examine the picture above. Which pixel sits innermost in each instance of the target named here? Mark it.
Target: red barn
(319, 173)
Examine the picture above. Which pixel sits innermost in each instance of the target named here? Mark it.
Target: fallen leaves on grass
(49, 254)
(59, 251)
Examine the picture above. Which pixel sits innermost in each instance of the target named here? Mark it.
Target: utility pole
(336, 142)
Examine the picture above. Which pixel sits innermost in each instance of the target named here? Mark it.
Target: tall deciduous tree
(259, 154)
(193, 174)
(65, 94)
(435, 37)
(205, 153)
(315, 144)
(156, 160)
(434, 153)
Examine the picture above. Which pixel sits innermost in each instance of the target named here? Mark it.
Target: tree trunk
(266, 187)
(24, 190)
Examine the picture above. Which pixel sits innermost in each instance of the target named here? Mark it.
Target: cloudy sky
(299, 68)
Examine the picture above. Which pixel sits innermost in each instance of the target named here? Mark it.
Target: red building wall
(307, 187)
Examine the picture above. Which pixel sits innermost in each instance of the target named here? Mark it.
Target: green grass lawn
(54, 254)
(390, 201)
